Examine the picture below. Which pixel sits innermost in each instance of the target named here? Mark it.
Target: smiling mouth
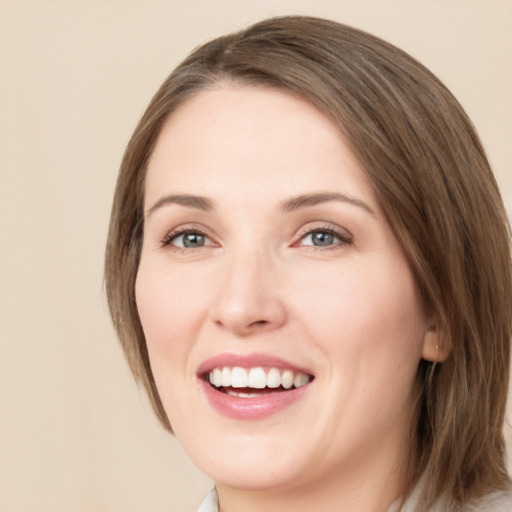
(255, 382)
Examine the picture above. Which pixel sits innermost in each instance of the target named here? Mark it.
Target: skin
(349, 312)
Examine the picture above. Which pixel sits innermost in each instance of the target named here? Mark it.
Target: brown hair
(435, 185)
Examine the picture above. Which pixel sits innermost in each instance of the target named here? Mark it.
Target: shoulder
(498, 502)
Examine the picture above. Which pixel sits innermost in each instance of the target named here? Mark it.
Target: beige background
(75, 433)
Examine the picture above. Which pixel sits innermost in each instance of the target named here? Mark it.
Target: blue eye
(187, 240)
(326, 238)
(190, 240)
(320, 239)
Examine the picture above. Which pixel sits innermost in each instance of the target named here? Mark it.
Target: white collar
(210, 503)
(500, 502)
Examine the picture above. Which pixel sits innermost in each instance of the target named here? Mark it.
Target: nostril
(260, 322)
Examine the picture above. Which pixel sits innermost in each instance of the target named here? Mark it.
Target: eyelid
(346, 238)
(185, 229)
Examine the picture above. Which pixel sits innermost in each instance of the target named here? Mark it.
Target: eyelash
(344, 238)
(175, 234)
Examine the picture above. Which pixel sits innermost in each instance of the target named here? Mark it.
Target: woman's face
(267, 263)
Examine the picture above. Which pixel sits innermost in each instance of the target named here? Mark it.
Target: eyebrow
(189, 201)
(307, 200)
(295, 203)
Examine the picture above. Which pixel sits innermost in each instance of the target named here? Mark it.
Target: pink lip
(247, 361)
(248, 408)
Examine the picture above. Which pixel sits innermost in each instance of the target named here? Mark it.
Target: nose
(250, 298)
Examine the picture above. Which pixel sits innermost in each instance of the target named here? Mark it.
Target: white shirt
(500, 502)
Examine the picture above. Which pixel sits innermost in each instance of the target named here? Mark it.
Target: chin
(244, 461)
(250, 474)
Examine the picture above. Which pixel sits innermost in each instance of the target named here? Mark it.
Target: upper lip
(248, 361)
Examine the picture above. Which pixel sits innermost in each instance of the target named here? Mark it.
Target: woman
(308, 268)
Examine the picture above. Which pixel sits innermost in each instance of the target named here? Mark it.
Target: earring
(438, 346)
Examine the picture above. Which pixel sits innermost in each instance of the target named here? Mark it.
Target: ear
(435, 349)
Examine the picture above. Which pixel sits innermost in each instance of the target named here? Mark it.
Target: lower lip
(254, 408)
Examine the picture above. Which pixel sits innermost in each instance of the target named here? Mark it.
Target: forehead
(240, 136)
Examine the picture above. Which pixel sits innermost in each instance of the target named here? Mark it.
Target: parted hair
(435, 185)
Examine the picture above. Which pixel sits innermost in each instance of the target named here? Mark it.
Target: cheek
(369, 326)
(169, 306)
(369, 315)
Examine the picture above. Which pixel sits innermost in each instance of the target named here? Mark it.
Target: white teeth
(300, 379)
(226, 377)
(256, 378)
(273, 378)
(239, 378)
(287, 379)
(217, 377)
(241, 394)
